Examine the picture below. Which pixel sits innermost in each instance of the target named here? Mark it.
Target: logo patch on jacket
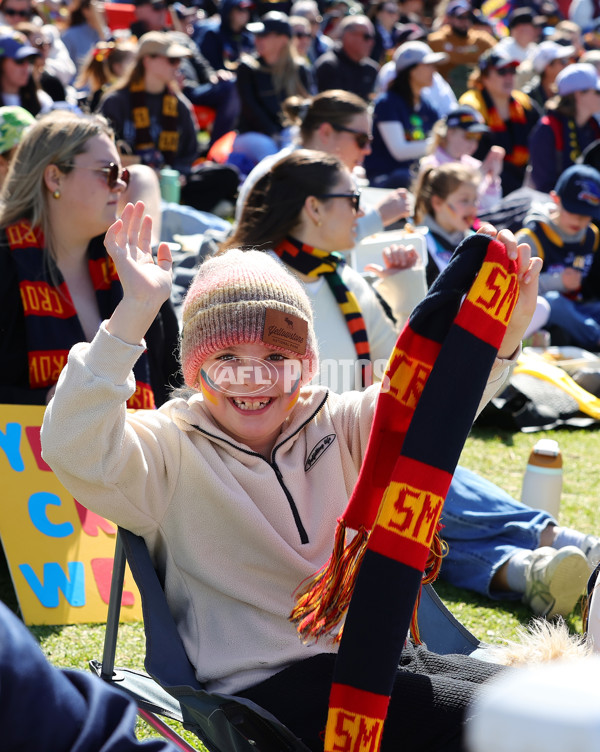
(318, 451)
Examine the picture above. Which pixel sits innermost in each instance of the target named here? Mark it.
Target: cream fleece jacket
(233, 532)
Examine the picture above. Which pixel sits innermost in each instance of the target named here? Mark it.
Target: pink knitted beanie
(246, 297)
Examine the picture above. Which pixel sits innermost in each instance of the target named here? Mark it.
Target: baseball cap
(590, 56)
(415, 53)
(160, 43)
(466, 118)
(496, 57)
(13, 121)
(579, 190)
(549, 51)
(458, 8)
(577, 77)
(273, 22)
(525, 16)
(13, 46)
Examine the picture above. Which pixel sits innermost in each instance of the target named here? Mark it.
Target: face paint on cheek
(208, 389)
(294, 394)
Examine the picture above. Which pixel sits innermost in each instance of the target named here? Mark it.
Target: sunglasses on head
(14, 12)
(361, 138)
(354, 198)
(112, 172)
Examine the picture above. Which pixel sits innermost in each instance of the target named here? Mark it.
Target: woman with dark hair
(510, 114)
(568, 127)
(384, 15)
(85, 28)
(402, 120)
(17, 83)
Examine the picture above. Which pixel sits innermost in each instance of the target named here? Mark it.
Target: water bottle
(542, 482)
(170, 187)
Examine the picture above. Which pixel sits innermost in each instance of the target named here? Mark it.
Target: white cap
(414, 53)
(577, 77)
(547, 52)
(551, 707)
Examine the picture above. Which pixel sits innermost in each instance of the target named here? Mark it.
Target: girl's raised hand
(146, 282)
(395, 257)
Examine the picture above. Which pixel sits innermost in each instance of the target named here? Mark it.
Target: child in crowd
(446, 201)
(455, 139)
(563, 234)
(237, 488)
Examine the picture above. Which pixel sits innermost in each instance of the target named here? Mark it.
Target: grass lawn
(500, 457)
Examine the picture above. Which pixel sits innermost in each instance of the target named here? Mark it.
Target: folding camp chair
(170, 689)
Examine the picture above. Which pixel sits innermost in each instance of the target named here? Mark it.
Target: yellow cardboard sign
(60, 554)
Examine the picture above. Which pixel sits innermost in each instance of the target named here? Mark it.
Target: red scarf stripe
(103, 273)
(45, 367)
(42, 299)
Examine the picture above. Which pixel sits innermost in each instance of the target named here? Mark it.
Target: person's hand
(395, 206)
(395, 258)
(225, 75)
(571, 279)
(528, 273)
(494, 161)
(146, 283)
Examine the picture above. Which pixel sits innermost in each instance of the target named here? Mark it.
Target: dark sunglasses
(510, 70)
(112, 172)
(15, 12)
(361, 138)
(301, 34)
(354, 198)
(25, 60)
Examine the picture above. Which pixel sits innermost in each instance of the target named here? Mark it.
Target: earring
(56, 194)
(319, 223)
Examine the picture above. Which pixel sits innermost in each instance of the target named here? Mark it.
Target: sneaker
(556, 578)
(591, 549)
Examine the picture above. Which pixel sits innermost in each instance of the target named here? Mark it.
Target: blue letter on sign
(37, 512)
(10, 442)
(55, 579)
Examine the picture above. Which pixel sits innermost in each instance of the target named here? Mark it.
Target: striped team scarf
(168, 139)
(51, 322)
(432, 388)
(316, 263)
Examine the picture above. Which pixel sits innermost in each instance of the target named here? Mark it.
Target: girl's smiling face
(250, 390)
(457, 212)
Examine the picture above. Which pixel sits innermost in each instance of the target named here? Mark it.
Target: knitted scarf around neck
(316, 263)
(51, 321)
(168, 140)
(518, 154)
(429, 397)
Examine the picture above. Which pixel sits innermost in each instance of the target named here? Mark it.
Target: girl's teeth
(250, 404)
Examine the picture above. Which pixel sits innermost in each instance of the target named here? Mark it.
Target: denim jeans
(581, 321)
(484, 527)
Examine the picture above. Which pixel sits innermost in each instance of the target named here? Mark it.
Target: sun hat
(579, 190)
(160, 43)
(246, 297)
(415, 53)
(577, 77)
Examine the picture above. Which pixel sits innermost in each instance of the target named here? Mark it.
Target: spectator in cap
(163, 132)
(320, 43)
(402, 121)
(547, 62)
(86, 26)
(223, 38)
(150, 15)
(525, 29)
(565, 235)
(509, 113)
(349, 65)
(264, 80)
(13, 121)
(568, 126)
(17, 84)
(463, 44)
(455, 138)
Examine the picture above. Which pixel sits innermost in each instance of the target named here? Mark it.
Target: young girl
(445, 203)
(220, 486)
(455, 139)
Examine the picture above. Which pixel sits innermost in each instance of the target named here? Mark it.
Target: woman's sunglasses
(301, 34)
(361, 138)
(112, 172)
(354, 198)
(509, 70)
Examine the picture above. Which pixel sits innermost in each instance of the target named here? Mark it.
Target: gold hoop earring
(56, 194)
